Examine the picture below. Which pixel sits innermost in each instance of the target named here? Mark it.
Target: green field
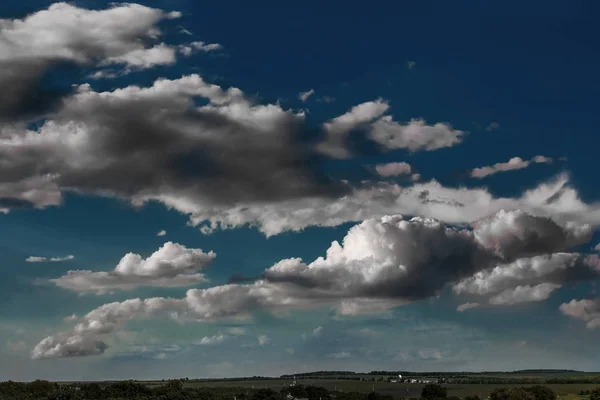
(394, 389)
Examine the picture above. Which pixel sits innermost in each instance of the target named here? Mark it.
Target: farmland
(394, 389)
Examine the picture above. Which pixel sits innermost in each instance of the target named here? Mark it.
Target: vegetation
(187, 390)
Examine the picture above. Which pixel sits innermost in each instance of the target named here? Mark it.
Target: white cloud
(414, 136)
(160, 54)
(524, 294)
(203, 47)
(587, 310)
(411, 64)
(393, 169)
(305, 95)
(33, 259)
(172, 265)
(513, 164)
(466, 306)
(210, 340)
(161, 233)
(263, 340)
(317, 331)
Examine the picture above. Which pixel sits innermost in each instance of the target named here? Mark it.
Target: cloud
(390, 135)
(597, 247)
(263, 340)
(429, 354)
(411, 64)
(393, 169)
(153, 144)
(416, 135)
(461, 205)
(513, 164)
(33, 259)
(337, 129)
(305, 95)
(202, 47)
(71, 318)
(339, 356)
(172, 265)
(380, 264)
(66, 33)
(492, 126)
(236, 331)
(587, 310)
(161, 233)
(524, 294)
(210, 340)
(549, 269)
(317, 331)
(466, 306)
(68, 346)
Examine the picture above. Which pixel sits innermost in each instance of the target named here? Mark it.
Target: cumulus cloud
(210, 340)
(68, 346)
(393, 169)
(411, 64)
(33, 259)
(587, 310)
(172, 265)
(305, 95)
(66, 33)
(381, 263)
(513, 164)
(466, 306)
(161, 233)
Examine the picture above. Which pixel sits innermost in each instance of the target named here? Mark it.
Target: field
(565, 391)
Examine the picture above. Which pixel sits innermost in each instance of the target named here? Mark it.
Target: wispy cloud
(33, 259)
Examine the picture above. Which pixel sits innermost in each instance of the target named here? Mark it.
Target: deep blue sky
(530, 67)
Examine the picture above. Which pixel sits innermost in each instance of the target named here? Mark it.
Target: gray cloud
(172, 265)
(66, 33)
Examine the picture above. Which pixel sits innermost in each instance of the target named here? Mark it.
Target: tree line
(176, 390)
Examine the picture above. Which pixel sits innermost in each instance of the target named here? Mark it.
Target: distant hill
(453, 373)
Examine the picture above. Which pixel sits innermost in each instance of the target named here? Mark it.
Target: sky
(193, 189)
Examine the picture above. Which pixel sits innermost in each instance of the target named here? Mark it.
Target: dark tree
(541, 392)
(472, 398)
(433, 391)
(595, 394)
(499, 394)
